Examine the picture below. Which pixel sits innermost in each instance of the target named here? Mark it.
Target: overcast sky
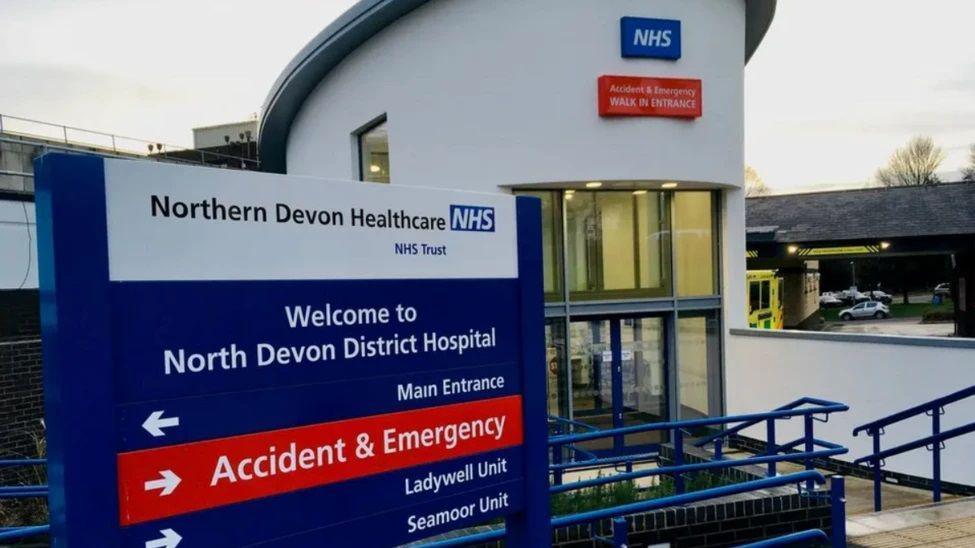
(836, 86)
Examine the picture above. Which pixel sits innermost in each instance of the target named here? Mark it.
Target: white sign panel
(225, 225)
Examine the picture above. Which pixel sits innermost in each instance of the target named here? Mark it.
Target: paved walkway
(944, 525)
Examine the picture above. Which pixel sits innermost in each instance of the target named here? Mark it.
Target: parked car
(870, 309)
(829, 300)
(942, 290)
(881, 296)
(853, 296)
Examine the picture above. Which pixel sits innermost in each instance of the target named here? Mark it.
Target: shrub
(933, 316)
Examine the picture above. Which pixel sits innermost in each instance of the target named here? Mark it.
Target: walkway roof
(867, 214)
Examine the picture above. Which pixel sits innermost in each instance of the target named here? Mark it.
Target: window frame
(357, 137)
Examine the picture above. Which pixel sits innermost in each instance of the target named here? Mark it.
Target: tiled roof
(945, 209)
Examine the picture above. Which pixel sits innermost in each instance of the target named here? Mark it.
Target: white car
(881, 296)
(828, 300)
(869, 309)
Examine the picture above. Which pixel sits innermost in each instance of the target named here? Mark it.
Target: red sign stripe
(223, 471)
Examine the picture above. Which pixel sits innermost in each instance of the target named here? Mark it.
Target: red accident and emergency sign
(176, 479)
(648, 96)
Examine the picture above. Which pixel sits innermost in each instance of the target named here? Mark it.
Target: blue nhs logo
(654, 38)
(472, 218)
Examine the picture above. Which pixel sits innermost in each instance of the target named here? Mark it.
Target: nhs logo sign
(654, 38)
(471, 218)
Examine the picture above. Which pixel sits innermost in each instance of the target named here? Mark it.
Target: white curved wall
(481, 93)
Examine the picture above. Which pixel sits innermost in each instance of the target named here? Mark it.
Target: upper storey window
(374, 153)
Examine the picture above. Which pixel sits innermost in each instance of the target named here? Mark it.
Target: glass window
(699, 366)
(766, 300)
(555, 367)
(374, 154)
(617, 244)
(695, 244)
(755, 295)
(551, 242)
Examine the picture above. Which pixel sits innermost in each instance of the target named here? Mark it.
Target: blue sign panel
(241, 359)
(653, 38)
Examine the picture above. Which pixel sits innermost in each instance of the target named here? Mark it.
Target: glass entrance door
(643, 377)
(618, 376)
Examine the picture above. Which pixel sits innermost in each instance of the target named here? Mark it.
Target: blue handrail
(926, 407)
(570, 422)
(15, 533)
(832, 407)
(804, 537)
(23, 492)
(677, 431)
(789, 406)
(22, 462)
(687, 468)
(934, 409)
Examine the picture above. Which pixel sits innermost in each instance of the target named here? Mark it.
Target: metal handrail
(934, 409)
(932, 405)
(811, 535)
(114, 138)
(917, 444)
(789, 406)
(833, 407)
(694, 467)
(646, 506)
(570, 422)
(27, 531)
(22, 462)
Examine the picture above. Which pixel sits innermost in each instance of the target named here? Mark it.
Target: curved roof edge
(353, 28)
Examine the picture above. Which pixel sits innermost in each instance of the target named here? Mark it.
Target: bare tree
(968, 173)
(913, 165)
(754, 185)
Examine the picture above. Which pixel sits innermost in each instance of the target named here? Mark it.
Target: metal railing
(71, 138)
(816, 410)
(620, 535)
(935, 442)
(809, 408)
(620, 529)
(23, 492)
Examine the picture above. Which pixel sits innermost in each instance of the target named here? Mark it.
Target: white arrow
(155, 423)
(170, 539)
(168, 483)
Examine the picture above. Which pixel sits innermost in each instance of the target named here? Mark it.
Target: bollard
(771, 448)
(718, 454)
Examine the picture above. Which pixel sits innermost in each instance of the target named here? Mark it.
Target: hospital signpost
(239, 359)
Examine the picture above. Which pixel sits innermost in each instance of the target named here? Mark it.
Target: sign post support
(532, 527)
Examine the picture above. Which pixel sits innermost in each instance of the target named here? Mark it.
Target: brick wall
(729, 523)
(21, 398)
(21, 389)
